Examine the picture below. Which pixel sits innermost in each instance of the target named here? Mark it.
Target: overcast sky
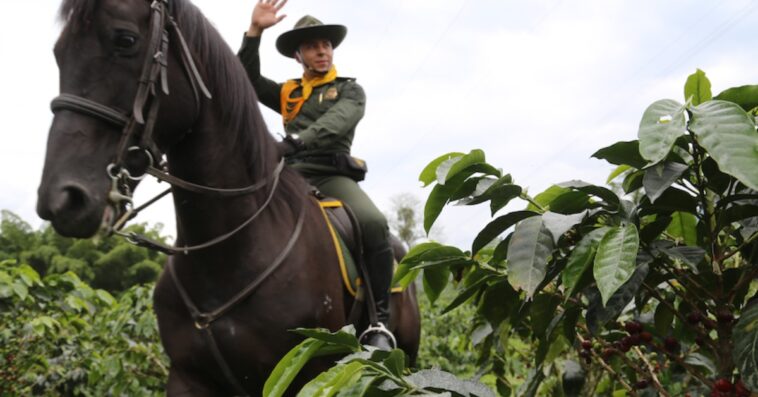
(538, 85)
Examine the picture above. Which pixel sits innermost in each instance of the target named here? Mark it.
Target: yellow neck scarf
(291, 106)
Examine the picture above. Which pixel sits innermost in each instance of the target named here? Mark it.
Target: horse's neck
(211, 156)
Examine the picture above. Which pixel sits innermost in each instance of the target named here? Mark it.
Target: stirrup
(378, 329)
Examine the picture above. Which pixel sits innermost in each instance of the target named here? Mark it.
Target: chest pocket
(326, 98)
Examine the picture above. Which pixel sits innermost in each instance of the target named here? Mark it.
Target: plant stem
(740, 247)
(689, 279)
(746, 278)
(690, 369)
(651, 371)
(697, 156)
(531, 201)
(610, 370)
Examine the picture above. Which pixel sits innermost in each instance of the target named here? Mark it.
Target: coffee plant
(649, 289)
(60, 337)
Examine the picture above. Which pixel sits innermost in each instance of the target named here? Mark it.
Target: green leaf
(672, 199)
(433, 252)
(571, 202)
(467, 293)
(558, 224)
(542, 311)
(622, 153)
(343, 337)
(328, 383)
(729, 136)
(663, 319)
(697, 89)
(497, 227)
(659, 177)
(435, 280)
(580, 259)
(633, 181)
(532, 384)
(618, 171)
(662, 123)
(29, 275)
(289, 366)
(21, 290)
(599, 314)
(440, 196)
(746, 96)
(700, 360)
(434, 379)
(683, 226)
(497, 303)
(429, 174)
(651, 230)
(450, 168)
(546, 197)
(745, 351)
(528, 251)
(359, 388)
(615, 259)
(503, 195)
(608, 196)
(395, 363)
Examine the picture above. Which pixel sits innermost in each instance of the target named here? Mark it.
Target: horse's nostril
(71, 200)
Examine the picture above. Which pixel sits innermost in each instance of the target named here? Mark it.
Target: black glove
(289, 145)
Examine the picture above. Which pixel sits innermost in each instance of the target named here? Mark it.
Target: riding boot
(379, 266)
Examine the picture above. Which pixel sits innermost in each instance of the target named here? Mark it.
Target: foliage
(363, 372)
(62, 337)
(112, 264)
(637, 292)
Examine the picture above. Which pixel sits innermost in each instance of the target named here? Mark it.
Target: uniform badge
(331, 94)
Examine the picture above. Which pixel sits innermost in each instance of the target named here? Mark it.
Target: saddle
(345, 233)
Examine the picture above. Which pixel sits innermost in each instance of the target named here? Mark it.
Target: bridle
(140, 125)
(136, 125)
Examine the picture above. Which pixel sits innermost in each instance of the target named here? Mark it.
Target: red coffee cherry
(671, 344)
(694, 318)
(586, 345)
(633, 327)
(646, 337)
(723, 385)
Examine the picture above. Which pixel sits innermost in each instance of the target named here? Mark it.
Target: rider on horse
(320, 114)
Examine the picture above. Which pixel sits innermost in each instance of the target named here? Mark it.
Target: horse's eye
(124, 41)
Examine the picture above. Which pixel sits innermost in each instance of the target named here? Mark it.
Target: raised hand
(265, 16)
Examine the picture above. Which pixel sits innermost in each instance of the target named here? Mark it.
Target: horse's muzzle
(70, 209)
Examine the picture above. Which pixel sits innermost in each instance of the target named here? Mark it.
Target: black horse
(257, 259)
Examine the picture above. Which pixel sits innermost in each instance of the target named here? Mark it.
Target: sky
(538, 85)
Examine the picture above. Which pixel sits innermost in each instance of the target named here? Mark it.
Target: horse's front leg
(183, 384)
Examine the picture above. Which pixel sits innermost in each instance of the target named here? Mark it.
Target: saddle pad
(340, 227)
(349, 270)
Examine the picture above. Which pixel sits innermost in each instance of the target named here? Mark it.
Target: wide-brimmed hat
(308, 28)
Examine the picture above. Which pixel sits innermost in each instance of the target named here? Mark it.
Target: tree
(405, 219)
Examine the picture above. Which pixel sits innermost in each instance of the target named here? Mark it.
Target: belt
(326, 159)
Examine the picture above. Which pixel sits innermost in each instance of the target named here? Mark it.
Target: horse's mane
(226, 78)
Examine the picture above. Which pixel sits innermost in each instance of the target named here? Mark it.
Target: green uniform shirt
(327, 120)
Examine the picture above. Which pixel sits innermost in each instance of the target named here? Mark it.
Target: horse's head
(112, 57)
